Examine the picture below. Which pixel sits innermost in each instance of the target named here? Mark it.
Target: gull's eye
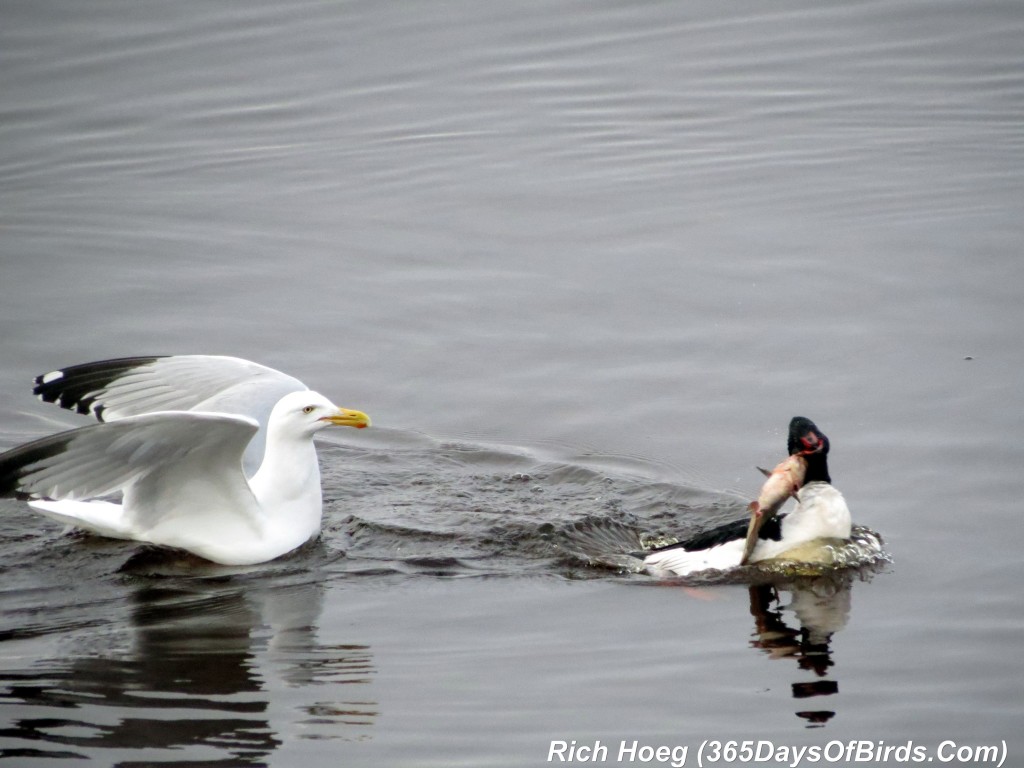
(309, 409)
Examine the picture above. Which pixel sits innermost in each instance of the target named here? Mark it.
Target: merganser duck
(820, 514)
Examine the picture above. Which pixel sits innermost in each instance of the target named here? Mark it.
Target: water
(579, 261)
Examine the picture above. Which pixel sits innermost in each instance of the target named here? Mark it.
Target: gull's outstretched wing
(115, 389)
(159, 450)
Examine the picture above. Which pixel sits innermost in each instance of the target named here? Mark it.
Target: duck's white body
(820, 513)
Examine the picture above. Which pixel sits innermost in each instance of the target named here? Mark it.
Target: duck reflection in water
(820, 607)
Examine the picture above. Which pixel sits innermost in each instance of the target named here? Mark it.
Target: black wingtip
(17, 462)
(75, 388)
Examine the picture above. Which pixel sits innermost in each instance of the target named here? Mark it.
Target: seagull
(820, 517)
(209, 454)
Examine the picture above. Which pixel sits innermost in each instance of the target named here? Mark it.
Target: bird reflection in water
(821, 607)
(217, 671)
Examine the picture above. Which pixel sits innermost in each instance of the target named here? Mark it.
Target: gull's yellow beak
(347, 418)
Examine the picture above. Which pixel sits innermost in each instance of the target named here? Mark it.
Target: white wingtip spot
(52, 376)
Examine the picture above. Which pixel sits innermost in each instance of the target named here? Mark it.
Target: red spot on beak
(811, 442)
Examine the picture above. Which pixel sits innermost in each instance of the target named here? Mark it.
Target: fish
(783, 481)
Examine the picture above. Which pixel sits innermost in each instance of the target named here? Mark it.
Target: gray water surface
(581, 262)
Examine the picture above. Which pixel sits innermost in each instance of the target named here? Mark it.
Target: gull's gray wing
(115, 389)
(102, 459)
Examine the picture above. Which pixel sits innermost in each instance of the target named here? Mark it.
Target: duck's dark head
(807, 440)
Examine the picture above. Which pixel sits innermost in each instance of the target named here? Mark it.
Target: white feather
(210, 383)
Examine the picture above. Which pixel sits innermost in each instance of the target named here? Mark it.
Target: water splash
(459, 509)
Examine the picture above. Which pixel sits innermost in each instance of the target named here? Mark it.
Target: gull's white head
(306, 413)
